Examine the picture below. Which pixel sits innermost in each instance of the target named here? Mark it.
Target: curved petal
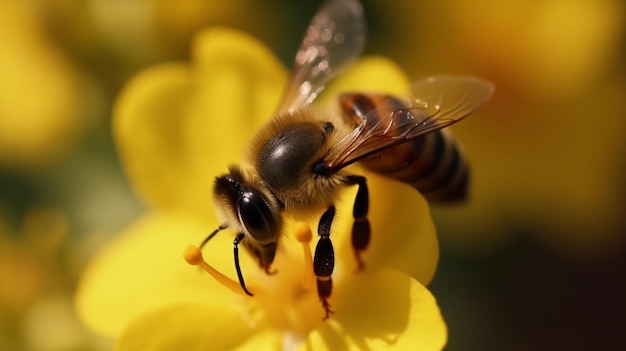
(177, 126)
(186, 327)
(369, 74)
(382, 310)
(145, 118)
(403, 235)
(143, 269)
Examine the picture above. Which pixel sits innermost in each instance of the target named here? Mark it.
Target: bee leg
(324, 260)
(236, 242)
(361, 231)
(324, 289)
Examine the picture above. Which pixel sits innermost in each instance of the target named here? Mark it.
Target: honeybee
(296, 161)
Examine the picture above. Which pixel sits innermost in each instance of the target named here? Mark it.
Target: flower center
(288, 299)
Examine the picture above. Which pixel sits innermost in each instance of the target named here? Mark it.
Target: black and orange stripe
(433, 163)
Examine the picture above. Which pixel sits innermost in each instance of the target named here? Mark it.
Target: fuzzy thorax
(285, 151)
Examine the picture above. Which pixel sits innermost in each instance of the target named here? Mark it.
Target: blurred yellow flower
(36, 284)
(42, 95)
(177, 126)
(142, 32)
(27, 258)
(546, 151)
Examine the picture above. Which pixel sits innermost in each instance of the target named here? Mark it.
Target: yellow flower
(177, 127)
(43, 97)
(143, 32)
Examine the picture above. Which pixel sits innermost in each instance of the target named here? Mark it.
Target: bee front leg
(324, 260)
(361, 230)
(236, 242)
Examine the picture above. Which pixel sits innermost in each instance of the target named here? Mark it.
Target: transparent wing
(437, 102)
(334, 39)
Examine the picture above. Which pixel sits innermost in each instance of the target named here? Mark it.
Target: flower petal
(144, 269)
(369, 74)
(403, 235)
(188, 327)
(145, 119)
(177, 126)
(382, 310)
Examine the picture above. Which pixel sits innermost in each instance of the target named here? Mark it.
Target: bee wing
(437, 102)
(334, 39)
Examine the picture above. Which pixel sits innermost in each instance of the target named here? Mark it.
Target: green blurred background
(535, 261)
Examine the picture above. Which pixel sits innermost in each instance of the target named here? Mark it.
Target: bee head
(248, 206)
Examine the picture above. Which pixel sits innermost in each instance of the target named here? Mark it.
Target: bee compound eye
(256, 215)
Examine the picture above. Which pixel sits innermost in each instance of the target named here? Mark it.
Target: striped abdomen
(433, 163)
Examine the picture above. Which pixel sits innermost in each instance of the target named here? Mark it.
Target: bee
(295, 163)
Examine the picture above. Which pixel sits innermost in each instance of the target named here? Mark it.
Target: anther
(193, 256)
(303, 233)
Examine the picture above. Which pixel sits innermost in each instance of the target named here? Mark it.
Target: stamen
(304, 236)
(193, 256)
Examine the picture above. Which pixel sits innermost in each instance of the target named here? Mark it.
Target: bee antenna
(217, 230)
